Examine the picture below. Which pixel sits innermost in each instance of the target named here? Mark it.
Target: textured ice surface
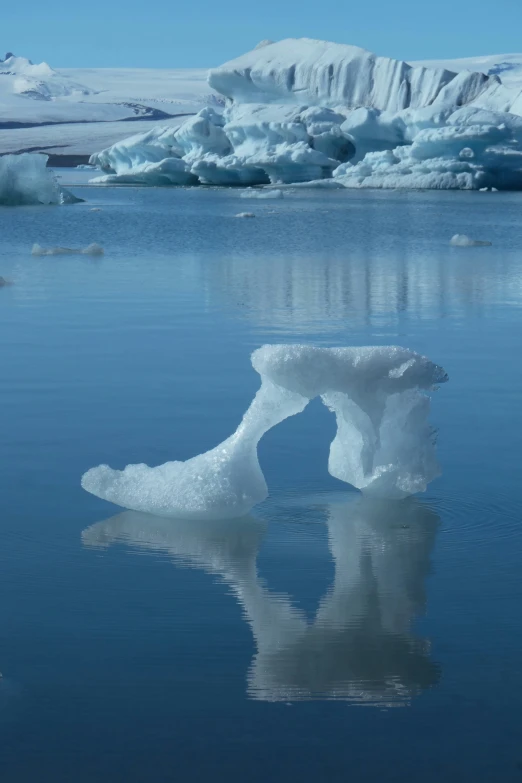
(303, 111)
(24, 179)
(384, 444)
(461, 240)
(307, 72)
(91, 250)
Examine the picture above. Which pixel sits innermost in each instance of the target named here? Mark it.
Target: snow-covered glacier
(384, 444)
(25, 179)
(306, 111)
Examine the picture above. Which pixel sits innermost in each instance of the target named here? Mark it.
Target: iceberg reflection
(360, 646)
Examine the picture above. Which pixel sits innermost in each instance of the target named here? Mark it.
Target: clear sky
(165, 33)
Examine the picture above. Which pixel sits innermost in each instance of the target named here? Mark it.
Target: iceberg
(361, 643)
(245, 215)
(256, 193)
(25, 179)
(461, 240)
(384, 444)
(300, 111)
(91, 250)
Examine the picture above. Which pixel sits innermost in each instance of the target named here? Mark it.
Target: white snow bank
(252, 193)
(90, 250)
(461, 240)
(384, 444)
(24, 179)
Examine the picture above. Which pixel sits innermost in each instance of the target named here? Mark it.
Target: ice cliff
(304, 111)
(384, 444)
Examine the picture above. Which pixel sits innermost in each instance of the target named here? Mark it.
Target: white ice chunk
(256, 193)
(245, 215)
(91, 250)
(461, 240)
(25, 179)
(384, 444)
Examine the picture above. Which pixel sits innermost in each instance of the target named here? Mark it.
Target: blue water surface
(325, 637)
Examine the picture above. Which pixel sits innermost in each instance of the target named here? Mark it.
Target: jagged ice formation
(384, 444)
(306, 111)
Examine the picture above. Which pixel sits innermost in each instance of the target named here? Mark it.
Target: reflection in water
(323, 291)
(360, 646)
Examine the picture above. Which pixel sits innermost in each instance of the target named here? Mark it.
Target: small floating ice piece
(25, 179)
(95, 209)
(91, 250)
(245, 214)
(384, 444)
(461, 240)
(256, 193)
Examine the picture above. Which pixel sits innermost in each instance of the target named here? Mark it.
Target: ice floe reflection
(361, 646)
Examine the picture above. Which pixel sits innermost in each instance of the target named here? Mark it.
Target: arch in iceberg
(384, 443)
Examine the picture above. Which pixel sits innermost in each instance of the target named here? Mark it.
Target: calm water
(324, 638)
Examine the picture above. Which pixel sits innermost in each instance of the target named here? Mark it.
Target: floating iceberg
(360, 645)
(384, 444)
(255, 193)
(245, 215)
(461, 240)
(90, 250)
(25, 179)
(303, 111)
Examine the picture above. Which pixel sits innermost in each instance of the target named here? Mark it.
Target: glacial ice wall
(24, 179)
(305, 71)
(384, 444)
(302, 111)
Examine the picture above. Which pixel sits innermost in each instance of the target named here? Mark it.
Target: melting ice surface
(384, 444)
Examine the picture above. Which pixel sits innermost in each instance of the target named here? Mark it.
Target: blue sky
(162, 33)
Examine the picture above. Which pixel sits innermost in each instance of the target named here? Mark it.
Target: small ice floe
(95, 209)
(488, 190)
(90, 250)
(257, 193)
(245, 214)
(461, 240)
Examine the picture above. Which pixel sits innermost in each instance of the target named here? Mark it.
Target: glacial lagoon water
(324, 637)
